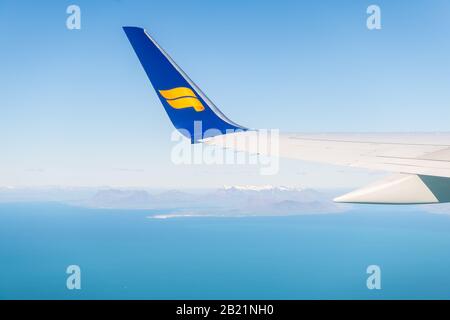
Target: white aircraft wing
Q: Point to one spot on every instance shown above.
(421, 161)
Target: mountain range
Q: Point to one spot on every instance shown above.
(226, 201)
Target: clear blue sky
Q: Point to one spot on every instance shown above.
(77, 108)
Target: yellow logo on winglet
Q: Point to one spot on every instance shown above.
(182, 97)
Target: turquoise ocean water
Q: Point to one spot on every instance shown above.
(123, 254)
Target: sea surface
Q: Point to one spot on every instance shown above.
(124, 254)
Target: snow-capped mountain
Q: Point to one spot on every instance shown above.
(259, 188)
(262, 195)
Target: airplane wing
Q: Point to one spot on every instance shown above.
(420, 161)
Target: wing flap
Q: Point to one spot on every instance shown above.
(395, 189)
(402, 189)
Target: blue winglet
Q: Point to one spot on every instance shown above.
(190, 111)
